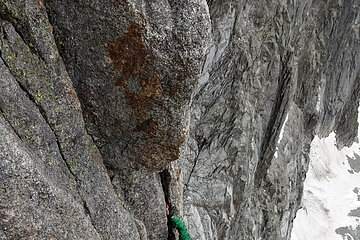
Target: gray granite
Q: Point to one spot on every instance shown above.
(110, 108)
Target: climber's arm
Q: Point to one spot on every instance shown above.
(180, 226)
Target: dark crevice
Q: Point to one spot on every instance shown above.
(88, 213)
(44, 116)
(276, 120)
(233, 35)
(7, 15)
(67, 164)
(165, 182)
(86, 208)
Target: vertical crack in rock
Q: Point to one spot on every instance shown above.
(48, 87)
(134, 65)
(165, 182)
(192, 171)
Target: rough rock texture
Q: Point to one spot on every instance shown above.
(134, 67)
(278, 73)
(223, 97)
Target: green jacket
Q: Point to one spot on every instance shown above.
(180, 226)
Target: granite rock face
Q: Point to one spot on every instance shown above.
(110, 108)
(278, 72)
(52, 171)
(134, 66)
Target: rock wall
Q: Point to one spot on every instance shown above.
(277, 72)
(110, 108)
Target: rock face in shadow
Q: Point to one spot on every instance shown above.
(223, 97)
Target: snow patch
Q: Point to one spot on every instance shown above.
(328, 192)
(281, 135)
(282, 128)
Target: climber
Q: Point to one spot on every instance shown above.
(177, 223)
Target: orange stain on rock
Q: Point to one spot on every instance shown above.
(129, 52)
(132, 58)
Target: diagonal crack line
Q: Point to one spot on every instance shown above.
(203, 143)
(272, 131)
(46, 119)
(16, 23)
(42, 113)
(192, 170)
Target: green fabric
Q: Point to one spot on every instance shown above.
(180, 226)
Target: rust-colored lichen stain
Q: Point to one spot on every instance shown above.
(155, 138)
(140, 102)
(128, 52)
(155, 142)
(132, 58)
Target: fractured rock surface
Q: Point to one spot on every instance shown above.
(278, 72)
(224, 97)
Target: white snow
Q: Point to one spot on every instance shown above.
(283, 127)
(328, 192)
(281, 135)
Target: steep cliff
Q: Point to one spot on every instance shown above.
(278, 73)
(110, 108)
